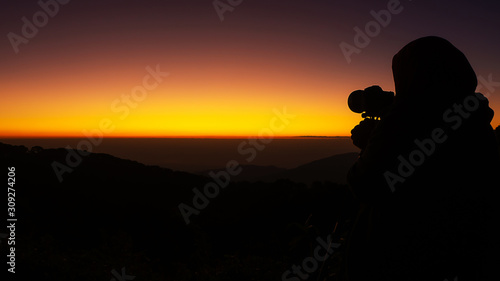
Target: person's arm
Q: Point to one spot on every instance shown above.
(367, 177)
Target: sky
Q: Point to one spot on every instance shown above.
(217, 68)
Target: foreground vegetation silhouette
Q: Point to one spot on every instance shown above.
(111, 213)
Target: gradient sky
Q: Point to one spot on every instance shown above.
(226, 77)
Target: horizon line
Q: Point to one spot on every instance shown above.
(173, 137)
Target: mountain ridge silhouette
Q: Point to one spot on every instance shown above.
(110, 212)
(333, 168)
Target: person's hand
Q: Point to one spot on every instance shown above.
(362, 132)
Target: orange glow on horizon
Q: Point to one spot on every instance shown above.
(223, 82)
(244, 106)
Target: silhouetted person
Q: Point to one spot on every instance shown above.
(428, 176)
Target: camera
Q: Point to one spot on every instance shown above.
(370, 102)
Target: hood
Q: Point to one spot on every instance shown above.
(432, 71)
(430, 76)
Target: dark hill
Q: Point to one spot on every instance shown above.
(103, 199)
(250, 172)
(333, 169)
(110, 213)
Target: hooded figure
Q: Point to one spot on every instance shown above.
(426, 178)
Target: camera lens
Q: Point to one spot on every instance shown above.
(356, 101)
